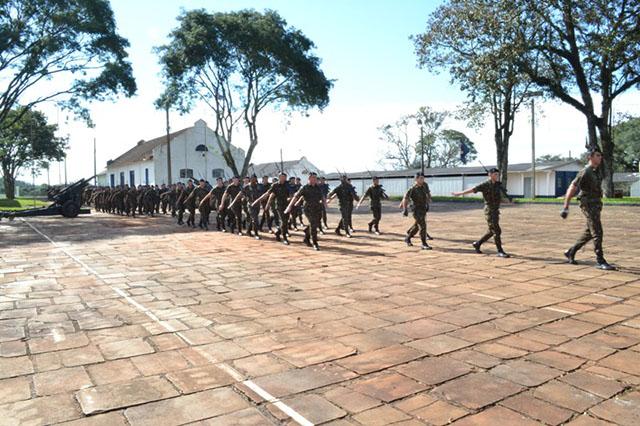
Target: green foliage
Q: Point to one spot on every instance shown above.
(239, 63)
(627, 145)
(72, 41)
(28, 141)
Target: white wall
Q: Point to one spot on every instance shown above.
(184, 156)
(635, 189)
(545, 183)
(139, 173)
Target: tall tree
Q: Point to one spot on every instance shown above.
(27, 142)
(473, 40)
(67, 51)
(441, 146)
(591, 47)
(239, 63)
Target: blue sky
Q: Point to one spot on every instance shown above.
(364, 47)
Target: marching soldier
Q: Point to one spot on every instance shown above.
(376, 194)
(193, 199)
(313, 201)
(346, 195)
(235, 213)
(249, 194)
(493, 193)
(214, 197)
(589, 184)
(420, 197)
(324, 186)
(279, 191)
(266, 213)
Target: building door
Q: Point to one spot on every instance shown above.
(112, 180)
(121, 178)
(563, 180)
(527, 187)
(132, 178)
(146, 176)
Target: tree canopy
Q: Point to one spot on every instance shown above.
(67, 51)
(239, 63)
(28, 141)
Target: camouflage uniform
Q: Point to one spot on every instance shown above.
(346, 195)
(236, 211)
(419, 196)
(199, 194)
(492, 193)
(216, 199)
(251, 192)
(312, 209)
(589, 182)
(324, 187)
(281, 194)
(376, 194)
(130, 201)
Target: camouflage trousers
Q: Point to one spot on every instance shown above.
(345, 220)
(493, 225)
(205, 211)
(376, 210)
(283, 218)
(314, 216)
(419, 225)
(253, 219)
(593, 231)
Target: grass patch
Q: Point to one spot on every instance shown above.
(21, 204)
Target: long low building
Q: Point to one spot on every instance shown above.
(552, 179)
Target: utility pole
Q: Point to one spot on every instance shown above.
(65, 169)
(421, 145)
(533, 149)
(169, 180)
(95, 171)
(281, 162)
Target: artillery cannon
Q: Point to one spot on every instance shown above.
(66, 203)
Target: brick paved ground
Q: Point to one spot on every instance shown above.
(149, 323)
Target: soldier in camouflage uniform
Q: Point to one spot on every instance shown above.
(130, 201)
(214, 197)
(376, 194)
(589, 183)
(195, 199)
(181, 195)
(324, 186)
(313, 200)
(266, 212)
(420, 197)
(346, 195)
(164, 201)
(279, 191)
(249, 194)
(493, 193)
(235, 214)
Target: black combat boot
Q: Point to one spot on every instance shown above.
(337, 231)
(426, 246)
(307, 238)
(370, 226)
(503, 254)
(570, 254)
(602, 264)
(377, 231)
(476, 246)
(278, 239)
(408, 240)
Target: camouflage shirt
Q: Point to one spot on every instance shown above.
(217, 192)
(280, 192)
(199, 194)
(419, 196)
(492, 193)
(251, 192)
(589, 182)
(376, 194)
(232, 191)
(312, 196)
(345, 192)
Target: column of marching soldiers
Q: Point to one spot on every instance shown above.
(280, 203)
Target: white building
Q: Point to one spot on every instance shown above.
(552, 179)
(298, 168)
(194, 154)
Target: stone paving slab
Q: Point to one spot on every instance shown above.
(366, 331)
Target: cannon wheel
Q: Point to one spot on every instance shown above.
(70, 209)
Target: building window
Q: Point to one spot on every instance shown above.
(146, 176)
(217, 173)
(132, 178)
(186, 173)
(122, 178)
(112, 180)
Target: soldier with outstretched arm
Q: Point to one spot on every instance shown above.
(280, 192)
(493, 193)
(232, 192)
(589, 184)
(313, 201)
(420, 196)
(376, 194)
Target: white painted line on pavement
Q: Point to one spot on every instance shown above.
(559, 310)
(487, 296)
(297, 417)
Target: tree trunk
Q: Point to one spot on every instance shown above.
(502, 154)
(607, 159)
(9, 186)
(253, 141)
